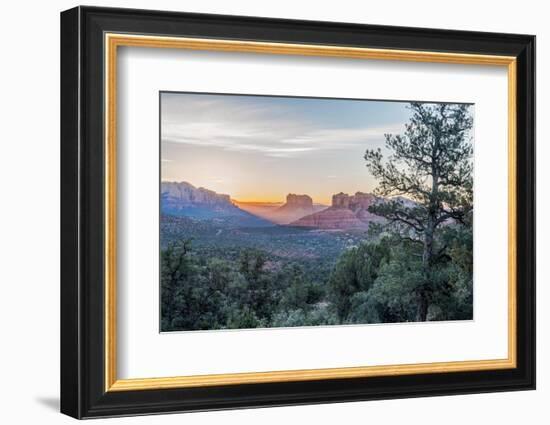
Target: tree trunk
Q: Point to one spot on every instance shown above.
(427, 257)
(422, 307)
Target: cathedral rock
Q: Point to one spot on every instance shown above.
(346, 212)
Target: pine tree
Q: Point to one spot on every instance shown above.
(429, 179)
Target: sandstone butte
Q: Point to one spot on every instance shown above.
(295, 207)
(345, 212)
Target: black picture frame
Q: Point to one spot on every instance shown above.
(83, 392)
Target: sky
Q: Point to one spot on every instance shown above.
(260, 148)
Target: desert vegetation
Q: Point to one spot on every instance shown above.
(405, 256)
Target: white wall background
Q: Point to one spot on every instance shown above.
(29, 211)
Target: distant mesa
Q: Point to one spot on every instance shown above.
(182, 199)
(297, 201)
(180, 194)
(346, 212)
(295, 207)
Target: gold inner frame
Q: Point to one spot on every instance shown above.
(113, 41)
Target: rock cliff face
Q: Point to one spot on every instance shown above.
(298, 201)
(182, 199)
(346, 212)
(296, 207)
(331, 218)
(354, 202)
(185, 194)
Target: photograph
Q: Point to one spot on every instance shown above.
(279, 212)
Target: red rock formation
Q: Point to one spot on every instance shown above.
(361, 201)
(300, 201)
(340, 200)
(296, 207)
(346, 212)
(183, 193)
(331, 218)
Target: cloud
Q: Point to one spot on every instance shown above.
(273, 131)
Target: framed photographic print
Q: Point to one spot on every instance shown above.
(261, 212)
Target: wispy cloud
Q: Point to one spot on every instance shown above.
(271, 131)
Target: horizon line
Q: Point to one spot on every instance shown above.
(324, 202)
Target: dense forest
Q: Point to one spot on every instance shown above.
(415, 265)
